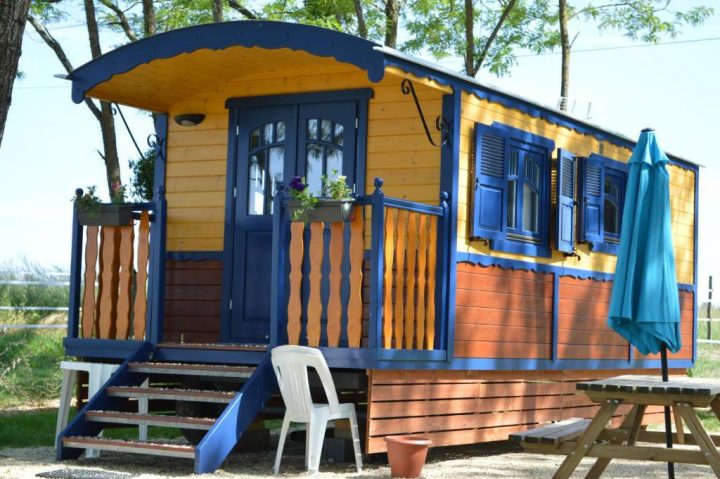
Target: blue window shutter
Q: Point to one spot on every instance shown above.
(565, 234)
(490, 198)
(592, 215)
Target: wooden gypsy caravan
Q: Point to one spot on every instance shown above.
(462, 302)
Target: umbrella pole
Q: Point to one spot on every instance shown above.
(668, 422)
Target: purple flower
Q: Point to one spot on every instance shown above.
(297, 184)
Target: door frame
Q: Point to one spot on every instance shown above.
(361, 97)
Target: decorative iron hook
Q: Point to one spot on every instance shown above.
(441, 123)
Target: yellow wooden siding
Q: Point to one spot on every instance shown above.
(397, 149)
(682, 188)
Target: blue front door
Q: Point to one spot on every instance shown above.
(272, 144)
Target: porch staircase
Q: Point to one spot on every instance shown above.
(238, 391)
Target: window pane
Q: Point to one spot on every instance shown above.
(612, 218)
(608, 186)
(280, 131)
(277, 157)
(254, 138)
(314, 167)
(312, 127)
(512, 204)
(338, 138)
(256, 184)
(334, 161)
(326, 130)
(531, 210)
(513, 168)
(268, 134)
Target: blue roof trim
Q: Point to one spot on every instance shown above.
(421, 68)
(218, 36)
(516, 264)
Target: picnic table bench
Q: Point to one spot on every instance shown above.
(578, 438)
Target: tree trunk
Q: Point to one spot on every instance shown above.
(565, 47)
(107, 122)
(392, 15)
(13, 14)
(469, 39)
(217, 11)
(149, 21)
(362, 27)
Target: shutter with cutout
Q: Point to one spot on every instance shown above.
(565, 191)
(490, 197)
(592, 184)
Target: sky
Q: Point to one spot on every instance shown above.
(50, 144)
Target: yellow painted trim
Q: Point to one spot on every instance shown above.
(392, 70)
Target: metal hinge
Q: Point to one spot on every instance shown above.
(235, 192)
(357, 122)
(237, 129)
(230, 305)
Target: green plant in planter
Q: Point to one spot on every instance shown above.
(89, 201)
(332, 186)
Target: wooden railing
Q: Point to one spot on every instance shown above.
(325, 284)
(109, 291)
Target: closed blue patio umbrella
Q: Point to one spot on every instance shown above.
(644, 306)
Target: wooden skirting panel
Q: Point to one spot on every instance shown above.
(193, 291)
(466, 407)
(503, 313)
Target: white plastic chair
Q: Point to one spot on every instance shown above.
(291, 369)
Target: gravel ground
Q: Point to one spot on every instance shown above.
(495, 460)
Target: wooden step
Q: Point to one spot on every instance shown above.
(171, 394)
(137, 447)
(206, 370)
(184, 422)
(216, 346)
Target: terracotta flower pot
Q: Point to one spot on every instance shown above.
(406, 455)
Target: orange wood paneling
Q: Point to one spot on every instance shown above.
(355, 307)
(88, 302)
(503, 313)
(143, 254)
(334, 308)
(314, 307)
(464, 407)
(399, 315)
(106, 312)
(432, 261)
(295, 301)
(412, 242)
(390, 219)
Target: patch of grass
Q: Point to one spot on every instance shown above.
(36, 428)
(708, 361)
(29, 366)
(31, 428)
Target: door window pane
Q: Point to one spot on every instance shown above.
(314, 167)
(280, 131)
(268, 134)
(334, 161)
(338, 137)
(254, 138)
(326, 130)
(256, 183)
(277, 160)
(312, 128)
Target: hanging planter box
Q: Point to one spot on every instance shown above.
(326, 210)
(106, 215)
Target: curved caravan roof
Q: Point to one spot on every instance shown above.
(157, 71)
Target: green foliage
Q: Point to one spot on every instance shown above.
(29, 360)
(143, 173)
(38, 293)
(89, 201)
(646, 20)
(48, 12)
(438, 27)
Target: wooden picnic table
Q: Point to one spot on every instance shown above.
(581, 438)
